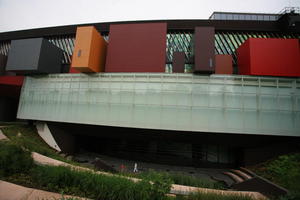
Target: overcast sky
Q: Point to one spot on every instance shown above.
(27, 14)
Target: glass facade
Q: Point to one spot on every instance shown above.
(66, 43)
(182, 102)
(4, 47)
(244, 16)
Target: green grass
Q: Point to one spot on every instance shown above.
(30, 140)
(194, 181)
(68, 198)
(285, 171)
(13, 159)
(95, 186)
(179, 178)
(211, 196)
(17, 167)
(87, 184)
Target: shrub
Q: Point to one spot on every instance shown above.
(194, 181)
(30, 140)
(286, 171)
(13, 159)
(161, 184)
(97, 186)
(291, 196)
(182, 179)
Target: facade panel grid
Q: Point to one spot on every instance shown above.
(226, 42)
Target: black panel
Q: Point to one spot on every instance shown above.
(3, 60)
(8, 108)
(30, 56)
(50, 58)
(290, 23)
(24, 55)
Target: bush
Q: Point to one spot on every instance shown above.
(13, 159)
(161, 184)
(194, 181)
(283, 170)
(286, 171)
(291, 196)
(182, 179)
(97, 186)
(30, 140)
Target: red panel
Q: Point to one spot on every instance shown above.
(72, 70)
(223, 64)
(273, 57)
(243, 54)
(10, 86)
(137, 48)
(11, 80)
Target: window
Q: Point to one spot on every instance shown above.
(253, 17)
(260, 17)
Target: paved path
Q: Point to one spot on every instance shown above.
(2, 136)
(10, 191)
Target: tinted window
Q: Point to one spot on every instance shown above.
(253, 17)
(266, 17)
(260, 17)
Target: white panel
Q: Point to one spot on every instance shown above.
(45, 133)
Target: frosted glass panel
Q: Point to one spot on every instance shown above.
(184, 102)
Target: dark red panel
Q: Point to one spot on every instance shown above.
(269, 56)
(10, 91)
(178, 62)
(204, 49)
(223, 64)
(11, 80)
(72, 70)
(137, 48)
(10, 86)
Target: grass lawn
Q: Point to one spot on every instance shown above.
(180, 179)
(284, 171)
(30, 140)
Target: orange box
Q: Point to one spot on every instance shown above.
(90, 50)
(223, 64)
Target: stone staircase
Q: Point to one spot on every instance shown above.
(239, 175)
(244, 179)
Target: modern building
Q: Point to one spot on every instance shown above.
(221, 92)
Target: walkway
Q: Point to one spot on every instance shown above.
(10, 191)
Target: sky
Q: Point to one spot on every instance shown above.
(28, 14)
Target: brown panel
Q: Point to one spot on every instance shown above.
(204, 49)
(90, 50)
(223, 64)
(178, 62)
(3, 60)
(137, 48)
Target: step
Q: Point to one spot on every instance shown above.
(236, 178)
(241, 174)
(247, 171)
